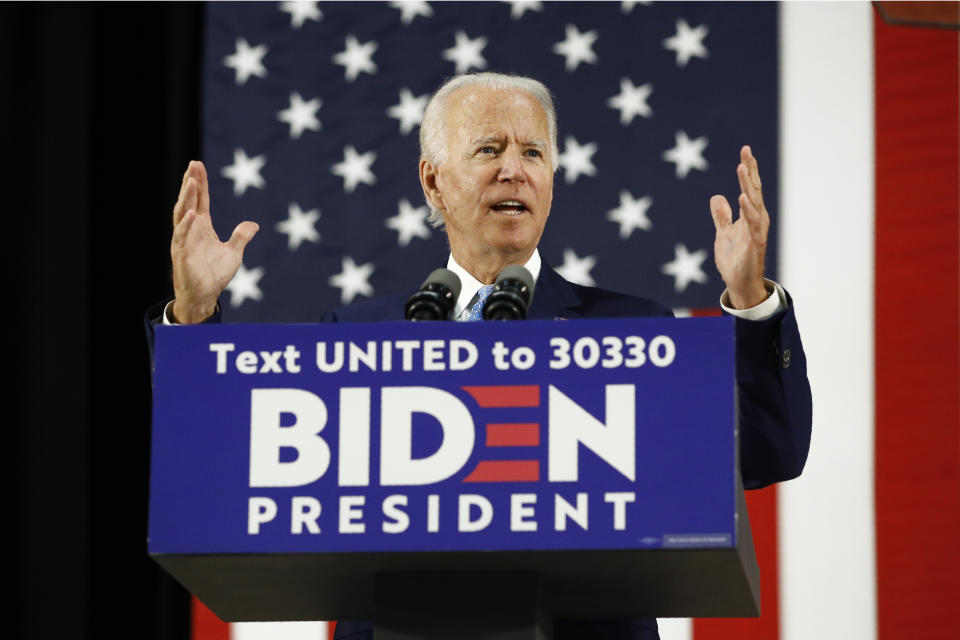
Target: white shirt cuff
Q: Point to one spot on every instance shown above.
(775, 303)
(168, 314)
(168, 318)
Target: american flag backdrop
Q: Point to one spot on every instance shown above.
(311, 120)
(311, 116)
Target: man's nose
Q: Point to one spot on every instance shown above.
(511, 168)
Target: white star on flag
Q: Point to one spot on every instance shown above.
(466, 53)
(627, 5)
(687, 154)
(409, 222)
(245, 284)
(519, 7)
(299, 226)
(355, 168)
(409, 111)
(631, 214)
(352, 280)
(631, 101)
(577, 47)
(356, 58)
(577, 269)
(687, 42)
(247, 61)
(576, 159)
(410, 9)
(300, 11)
(245, 172)
(300, 115)
(685, 267)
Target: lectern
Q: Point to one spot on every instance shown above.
(469, 480)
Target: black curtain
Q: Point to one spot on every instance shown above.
(102, 108)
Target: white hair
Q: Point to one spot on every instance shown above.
(433, 134)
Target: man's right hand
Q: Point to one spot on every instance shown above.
(202, 265)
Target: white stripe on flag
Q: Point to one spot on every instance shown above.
(826, 517)
(278, 631)
(675, 628)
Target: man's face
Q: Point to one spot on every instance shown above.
(496, 183)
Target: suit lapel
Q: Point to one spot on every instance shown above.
(553, 297)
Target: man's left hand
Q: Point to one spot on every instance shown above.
(740, 246)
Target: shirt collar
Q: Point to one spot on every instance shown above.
(470, 285)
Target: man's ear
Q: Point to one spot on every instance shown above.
(428, 180)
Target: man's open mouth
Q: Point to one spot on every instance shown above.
(510, 207)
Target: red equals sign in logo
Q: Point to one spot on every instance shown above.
(507, 434)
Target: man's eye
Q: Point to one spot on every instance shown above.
(487, 149)
(534, 153)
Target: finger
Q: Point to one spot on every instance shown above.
(204, 203)
(748, 186)
(721, 212)
(243, 233)
(753, 171)
(191, 198)
(178, 208)
(747, 157)
(182, 230)
(743, 178)
(749, 212)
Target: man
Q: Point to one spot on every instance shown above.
(488, 157)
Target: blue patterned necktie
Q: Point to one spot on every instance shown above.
(476, 311)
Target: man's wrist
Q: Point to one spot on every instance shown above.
(172, 317)
(775, 302)
(750, 297)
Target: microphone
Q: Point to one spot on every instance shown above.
(435, 298)
(511, 295)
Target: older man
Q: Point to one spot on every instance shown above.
(488, 157)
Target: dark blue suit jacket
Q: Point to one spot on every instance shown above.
(774, 401)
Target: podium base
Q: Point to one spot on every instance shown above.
(469, 606)
(527, 586)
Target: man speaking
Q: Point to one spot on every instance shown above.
(488, 146)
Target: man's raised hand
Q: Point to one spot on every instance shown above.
(740, 246)
(202, 265)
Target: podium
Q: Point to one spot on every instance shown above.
(469, 480)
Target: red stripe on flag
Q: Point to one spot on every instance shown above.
(505, 471)
(204, 624)
(517, 434)
(917, 478)
(506, 396)
(762, 507)
(706, 313)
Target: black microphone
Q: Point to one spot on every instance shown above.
(511, 295)
(435, 298)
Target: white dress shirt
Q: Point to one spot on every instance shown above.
(470, 285)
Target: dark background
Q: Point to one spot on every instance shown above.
(102, 114)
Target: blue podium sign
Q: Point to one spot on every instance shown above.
(422, 438)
